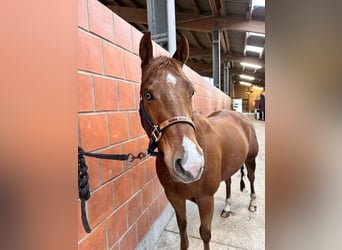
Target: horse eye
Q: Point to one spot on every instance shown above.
(148, 95)
(193, 92)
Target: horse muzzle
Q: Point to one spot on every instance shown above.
(189, 167)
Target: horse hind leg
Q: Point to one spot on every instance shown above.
(226, 212)
(250, 164)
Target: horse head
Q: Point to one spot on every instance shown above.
(166, 95)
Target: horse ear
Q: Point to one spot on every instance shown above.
(145, 49)
(182, 52)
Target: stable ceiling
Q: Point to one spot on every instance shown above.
(196, 19)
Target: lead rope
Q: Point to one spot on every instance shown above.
(83, 188)
(83, 176)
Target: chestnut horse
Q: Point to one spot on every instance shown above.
(198, 152)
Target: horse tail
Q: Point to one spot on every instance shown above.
(242, 183)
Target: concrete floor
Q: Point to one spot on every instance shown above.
(243, 229)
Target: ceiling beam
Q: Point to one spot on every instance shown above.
(213, 8)
(194, 21)
(196, 6)
(206, 54)
(210, 24)
(201, 67)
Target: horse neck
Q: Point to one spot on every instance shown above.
(202, 124)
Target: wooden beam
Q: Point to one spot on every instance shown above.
(213, 8)
(241, 24)
(198, 52)
(226, 37)
(223, 10)
(206, 54)
(201, 67)
(193, 21)
(223, 43)
(195, 6)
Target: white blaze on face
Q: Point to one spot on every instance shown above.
(193, 160)
(171, 78)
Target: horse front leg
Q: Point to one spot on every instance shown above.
(206, 209)
(180, 208)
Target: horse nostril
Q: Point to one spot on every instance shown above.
(179, 167)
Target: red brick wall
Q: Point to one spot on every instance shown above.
(125, 199)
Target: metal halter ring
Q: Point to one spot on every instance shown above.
(156, 133)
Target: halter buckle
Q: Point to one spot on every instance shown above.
(156, 133)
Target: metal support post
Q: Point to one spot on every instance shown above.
(162, 24)
(226, 89)
(216, 58)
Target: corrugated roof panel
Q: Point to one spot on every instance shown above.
(237, 7)
(258, 14)
(236, 41)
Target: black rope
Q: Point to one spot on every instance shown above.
(83, 177)
(83, 188)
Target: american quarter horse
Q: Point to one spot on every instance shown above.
(198, 152)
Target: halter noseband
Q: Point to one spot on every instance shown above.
(156, 130)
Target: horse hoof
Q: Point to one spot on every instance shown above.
(252, 208)
(225, 214)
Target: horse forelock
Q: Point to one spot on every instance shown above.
(160, 63)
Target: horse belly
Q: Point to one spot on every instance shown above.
(234, 155)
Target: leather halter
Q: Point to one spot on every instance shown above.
(156, 130)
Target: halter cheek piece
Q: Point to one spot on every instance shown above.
(156, 130)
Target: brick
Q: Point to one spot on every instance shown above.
(116, 247)
(137, 95)
(85, 96)
(93, 171)
(143, 225)
(100, 205)
(95, 241)
(122, 33)
(129, 241)
(136, 37)
(150, 169)
(89, 53)
(157, 187)
(163, 201)
(113, 61)
(127, 100)
(131, 147)
(93, 130)
(82, 14)
(118, 127)
(154, 211)
(147, 194)
(134, 208)
(122, 189)
(135, 128)
(100, 20)
(117, 225)
(105, 94)
(138, 177)
(110, 168)
(132, 67)
(143, 144)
